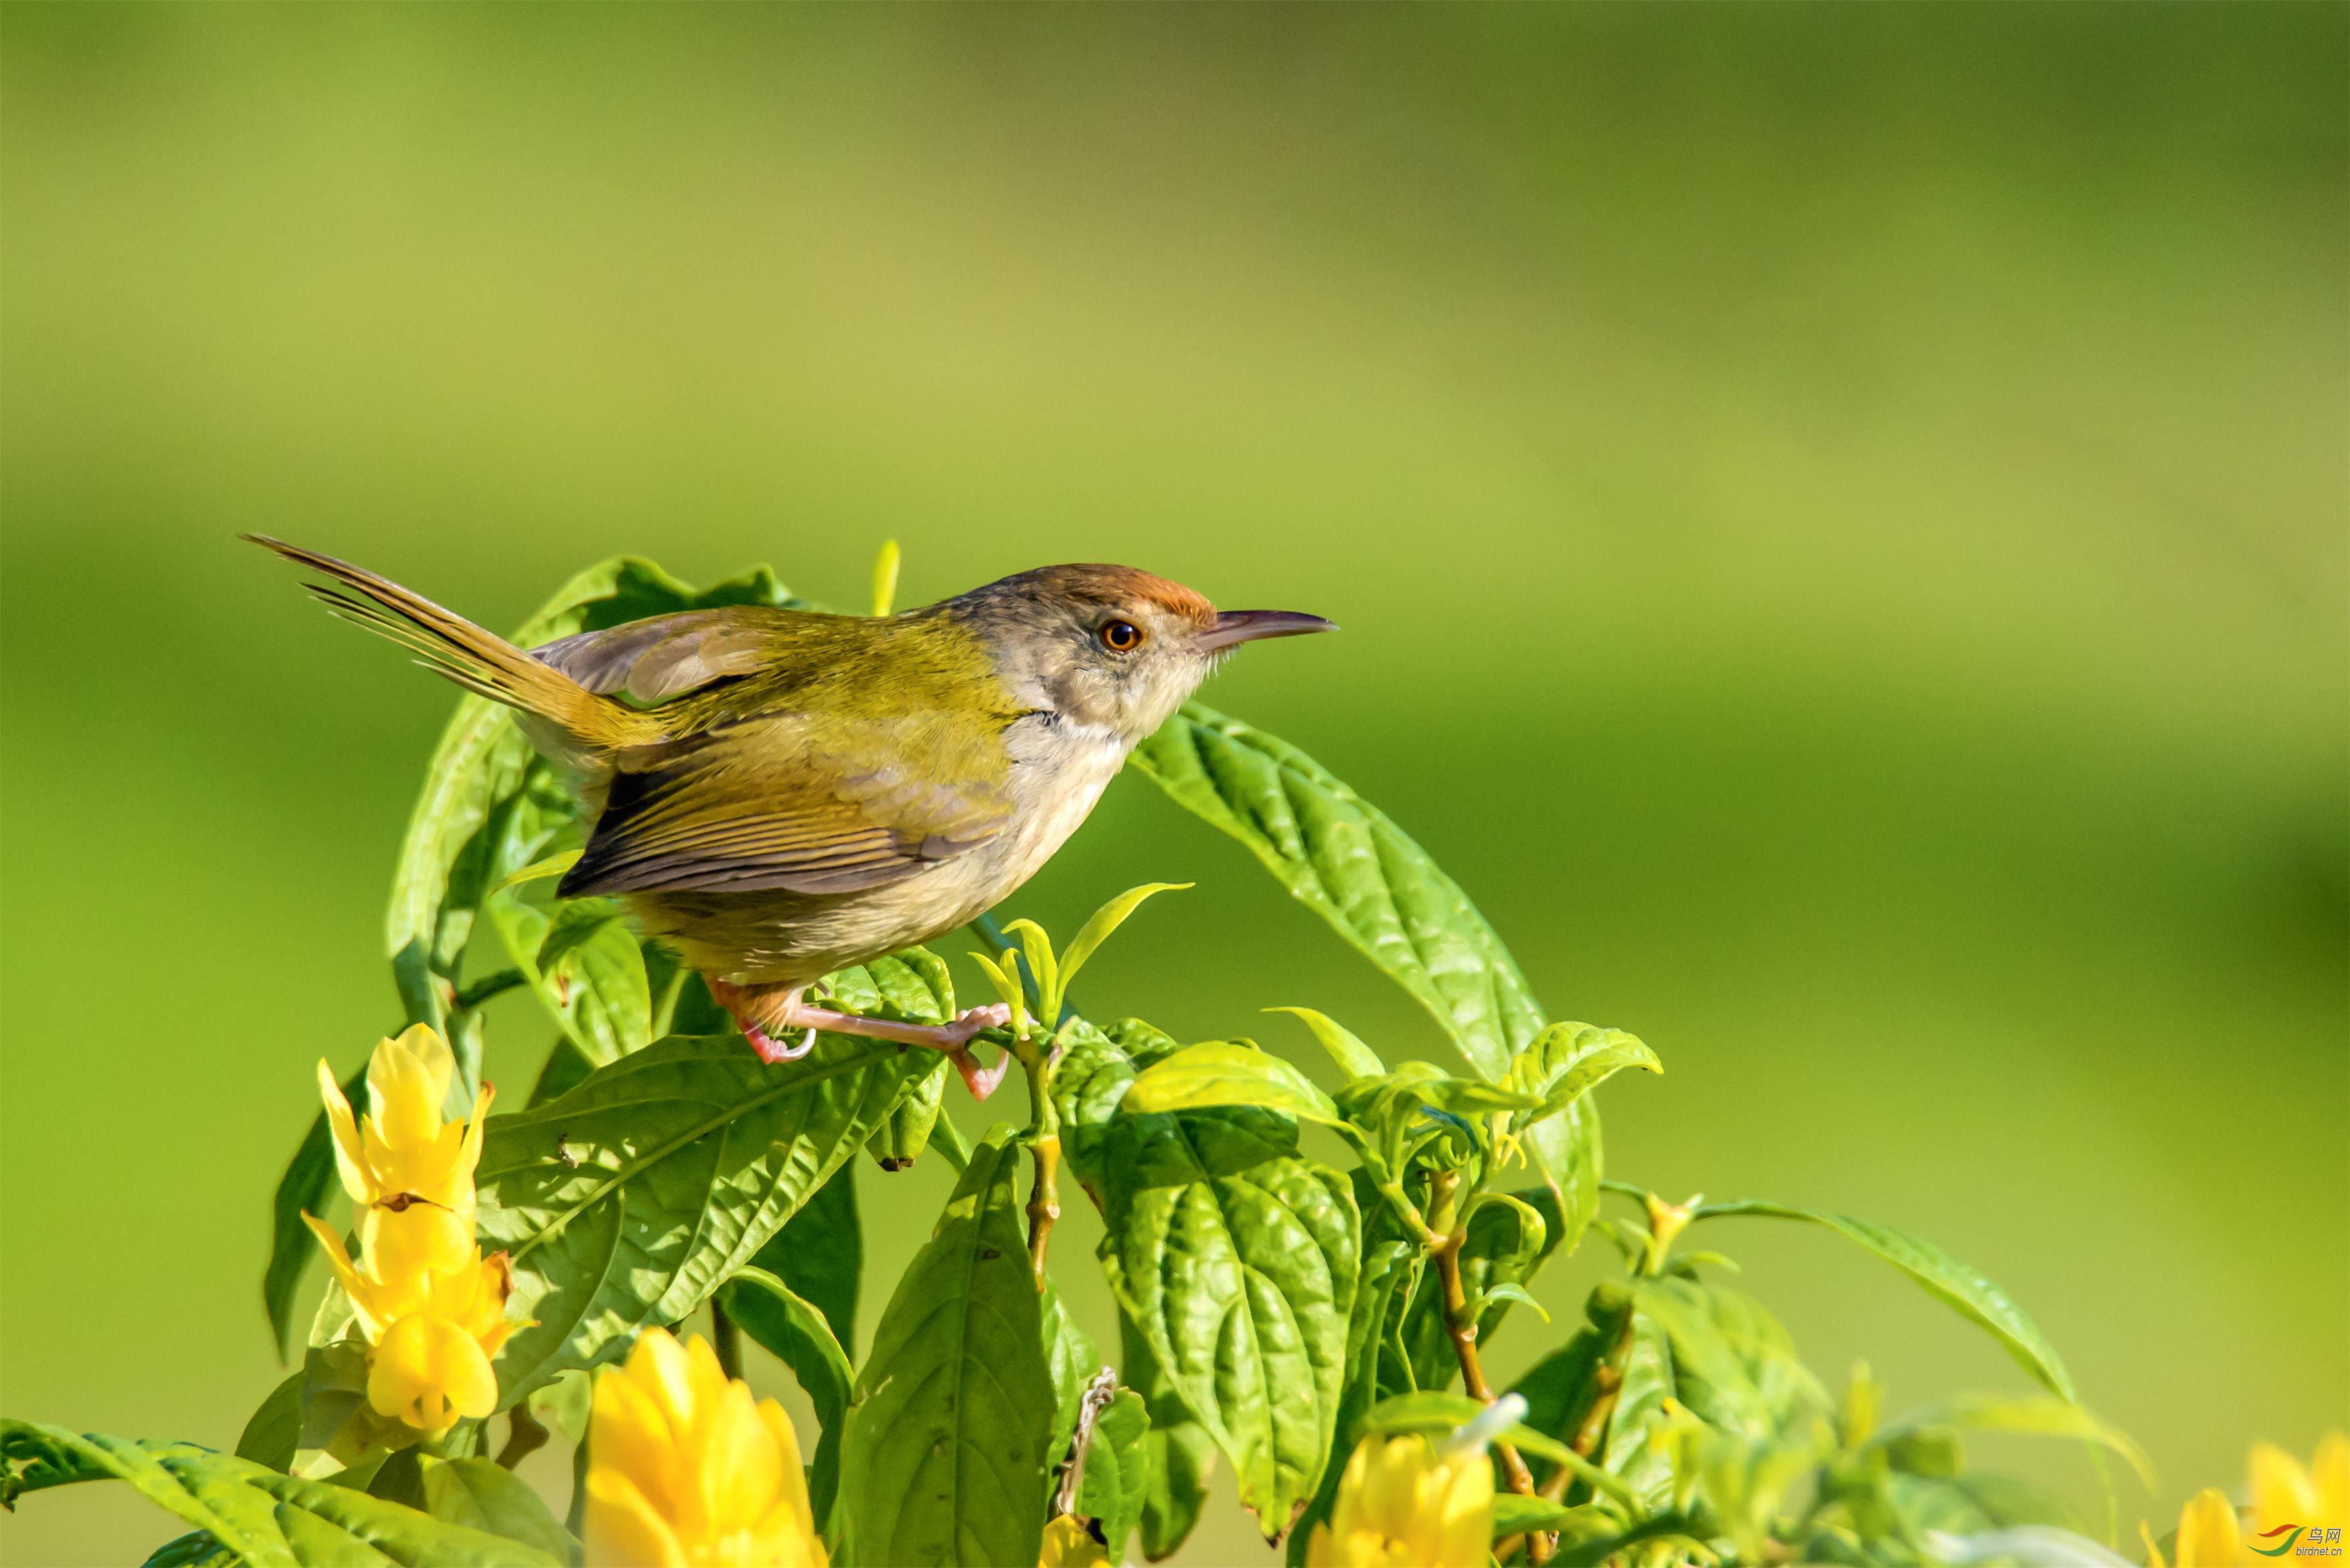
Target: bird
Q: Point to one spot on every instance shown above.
(775, 795)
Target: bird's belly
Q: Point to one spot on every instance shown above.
(773, 938)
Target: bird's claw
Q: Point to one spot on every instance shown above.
(769, 1052)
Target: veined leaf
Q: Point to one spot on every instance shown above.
(268, 1520)
(820, 1253)
(1242, 1285)
(1345, 859)
(1225, 1072)
(1733, 1363)
(1567, 1061)
(1387, 1274)
(944, 1461)
(1965, 1290)
(630, 1199)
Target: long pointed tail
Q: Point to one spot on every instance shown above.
(481, 662)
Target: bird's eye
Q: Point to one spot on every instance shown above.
(1120, 635)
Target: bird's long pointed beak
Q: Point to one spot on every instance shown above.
(1233, 627)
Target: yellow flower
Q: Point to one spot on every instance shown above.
(687, 1470)
(406, 1146)
(2284, 1495)
(1070, 1544)
(1400, 1505)
(429, 1306)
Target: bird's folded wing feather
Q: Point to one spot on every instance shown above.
(778, 779)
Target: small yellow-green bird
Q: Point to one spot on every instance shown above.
(779, 794)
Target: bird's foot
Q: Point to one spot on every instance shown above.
(769, 1052)
(756, 1013)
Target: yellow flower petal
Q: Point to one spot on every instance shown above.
(429, 1372)
(365, 1298)
(350, 1161)
(1070, 1544)
(629, 1434)
(2330, 1466)
(2208, 1536)
(623, 1528)
(731, 1454)
(1399, 1503)
(407, 1083)
(2282, 1492)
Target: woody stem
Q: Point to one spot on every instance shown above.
(1045, 1150)
(1460, 1327)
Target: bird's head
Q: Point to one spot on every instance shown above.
(1110, 646)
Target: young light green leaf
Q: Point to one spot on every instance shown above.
(1355, 1059)
(1097, 931)
(1566, 1061)
(486, 1497)
(267, 1519)
(1226, 1073)
(540, 870)
(1965, 1290)
(1437, 1414)
(944, 1459)
(1242, 1285)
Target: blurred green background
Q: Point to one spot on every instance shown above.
(1838, 514)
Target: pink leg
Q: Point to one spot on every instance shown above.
(755, 1013)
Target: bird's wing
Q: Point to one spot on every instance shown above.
(658, 658)
(805, 803)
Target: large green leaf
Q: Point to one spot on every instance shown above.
(268, 1520)
(944, 1461)
(630, 1199)
(820, 1253)
(1733, 1363)
(1242, 1283)
(1965, 1290)
(1345, 859)
(1117, 1470)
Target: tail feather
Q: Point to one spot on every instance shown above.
(450, 646)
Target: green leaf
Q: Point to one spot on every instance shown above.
(1973, 1504)
(1105, 921)
(1647, 1383)
(274, 1430)
(1436, 1414)
(1227, 1073)
(1242, 1285)
(628, 1200)
(901, 1139)
(1117, 1469)
(1733, 1364)
(268, 1520)
(1515, 1515)
(585, 967)
(820, 1253)
(483, 1496)
(1964, 1290)
(1178, 1452)
(791, 1328)
(197, 1549)
(944, 1461)
(1354, 1058)
(1567, 1061)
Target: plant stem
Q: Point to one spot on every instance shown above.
(726, 1340)
(1045, 1150)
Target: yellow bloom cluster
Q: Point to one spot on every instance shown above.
(431, 1307)
(687, 1470)
(2288, 1502)
(1402, 1505)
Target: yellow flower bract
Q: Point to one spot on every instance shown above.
(687, 1470)
(2284, 1495)
(1401, 1506)
(429, 1306)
